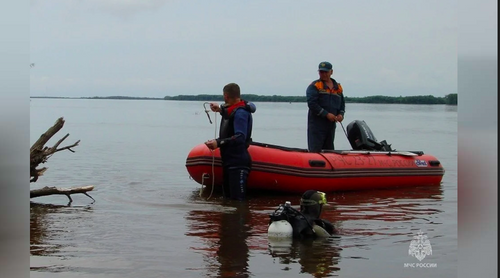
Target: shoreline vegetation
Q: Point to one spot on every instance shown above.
(450, 99)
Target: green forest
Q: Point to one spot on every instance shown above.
(450, 99)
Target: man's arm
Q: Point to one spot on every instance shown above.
(312, 95)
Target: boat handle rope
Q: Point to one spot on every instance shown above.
(204, 175)
(345, 132)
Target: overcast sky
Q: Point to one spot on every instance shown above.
(167, 47)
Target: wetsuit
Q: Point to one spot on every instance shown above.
(322, 100)
(234, 138)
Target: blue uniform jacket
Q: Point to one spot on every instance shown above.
(322, 100)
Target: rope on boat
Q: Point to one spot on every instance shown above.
(206, 175)
(213, 155)
(344, 131)
(203, 177)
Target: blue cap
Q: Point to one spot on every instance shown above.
(325, 66)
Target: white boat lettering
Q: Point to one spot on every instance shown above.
(420, 163)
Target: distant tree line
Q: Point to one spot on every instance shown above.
(122, 97)
(249, 97)
(450, 99)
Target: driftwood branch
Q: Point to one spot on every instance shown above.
(64, 148)
(61, 191)
(39, 153)
(44, 138)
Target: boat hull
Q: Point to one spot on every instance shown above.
(289, 170)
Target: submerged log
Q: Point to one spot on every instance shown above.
(61, 191)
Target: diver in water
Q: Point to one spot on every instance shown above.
(305, 223)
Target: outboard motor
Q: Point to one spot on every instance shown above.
(361, 138)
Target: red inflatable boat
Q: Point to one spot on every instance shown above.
(371, 165)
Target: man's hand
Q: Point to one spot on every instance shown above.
(331, 117)
(340, 118)
(211, 144)
(215, 107)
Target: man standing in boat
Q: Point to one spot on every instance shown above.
(325, 100)
(235, 136)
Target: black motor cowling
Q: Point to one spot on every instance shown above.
(361, 138)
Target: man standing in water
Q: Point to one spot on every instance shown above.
(234, 137)
(325, 100)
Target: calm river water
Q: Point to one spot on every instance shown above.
(149, 219)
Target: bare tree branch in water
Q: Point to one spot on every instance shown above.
(61, 191)
(39, 154)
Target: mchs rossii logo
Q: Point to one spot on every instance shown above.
(420, 247)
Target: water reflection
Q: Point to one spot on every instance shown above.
(231, 230)
(225, 229)
(319, 257)
(233, 249)
(46, 224)
(40, 229)
(414, 206)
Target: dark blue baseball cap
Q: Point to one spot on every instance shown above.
(325, 66)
